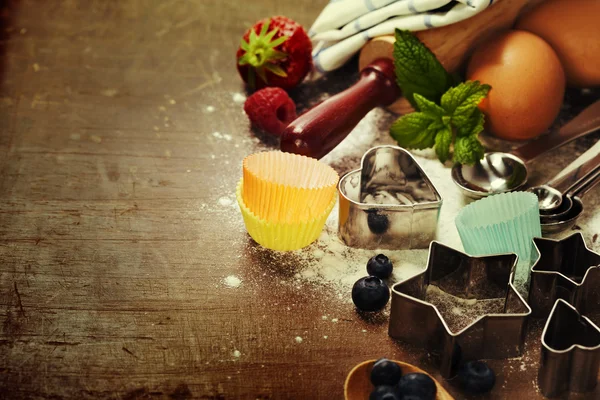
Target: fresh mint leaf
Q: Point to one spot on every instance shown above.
(462, 100)
(468, 149)
(428, 107)
(418, 70)
(416, 130)
(443, 139)
(473, 125)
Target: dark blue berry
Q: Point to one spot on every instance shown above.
(385, 372)
(417, 386)
(370, 294)
(380, 266)
(476, 377)
(385, 392)
(378, 223)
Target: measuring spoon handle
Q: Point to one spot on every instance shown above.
(586, 185)
(575, 175)
(584, 123)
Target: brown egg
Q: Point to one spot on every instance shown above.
(528, 84)
(572, 28)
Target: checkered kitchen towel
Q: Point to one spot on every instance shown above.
(344, 26)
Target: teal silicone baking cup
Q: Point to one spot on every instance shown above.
(503, 223)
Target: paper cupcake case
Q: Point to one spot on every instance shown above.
(282, 236)
(284, 187)
(499, 224)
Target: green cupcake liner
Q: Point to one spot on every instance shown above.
(503, 223)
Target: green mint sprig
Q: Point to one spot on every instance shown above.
(447, 116)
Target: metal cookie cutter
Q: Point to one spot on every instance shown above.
(389, 203)
(570, 357)
(565, 269)
(499, 335)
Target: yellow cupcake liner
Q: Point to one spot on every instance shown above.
(285, 187)
(282, 236)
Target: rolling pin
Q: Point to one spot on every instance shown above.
(319, 130)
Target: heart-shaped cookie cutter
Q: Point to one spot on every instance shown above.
(389, 203)
(491, 335)
(570, 356)
(564, 269)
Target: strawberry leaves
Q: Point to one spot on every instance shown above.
(260, 53)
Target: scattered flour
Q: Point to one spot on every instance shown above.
(232, 281)
(238, 98)
(329, 262)
(236, 354)
(224, 136)
(109, 92)
(298, 339)
(457, 312)
(225, 201)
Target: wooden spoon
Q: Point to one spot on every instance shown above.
(358, 383)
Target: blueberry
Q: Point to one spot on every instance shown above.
(417, 386)
(378, 223)
(370, 294)
(380, 266)
(385, 392)
(385, 372)
(476, 377)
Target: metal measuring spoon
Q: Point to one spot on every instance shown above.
(567, 219)
(500, 172)
(551, 196)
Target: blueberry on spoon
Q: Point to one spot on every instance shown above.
(370, 294)
(380, 266)
(386, 392)
(417, 386)
(476, 377)
(385, 372)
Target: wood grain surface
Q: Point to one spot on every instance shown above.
(121, 137)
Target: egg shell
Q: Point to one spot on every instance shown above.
(572, 28)
(528, 84)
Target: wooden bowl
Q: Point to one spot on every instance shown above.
(358, 383)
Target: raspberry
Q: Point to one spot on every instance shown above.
(270, 109)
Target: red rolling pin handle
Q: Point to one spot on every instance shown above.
(316, 132)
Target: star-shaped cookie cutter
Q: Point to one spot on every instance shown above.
(497, 335)
(564, 269)
(570, 356)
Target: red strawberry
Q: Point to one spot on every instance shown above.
(274, 52)
(271, 110)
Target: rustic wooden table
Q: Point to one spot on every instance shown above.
(125, 269)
